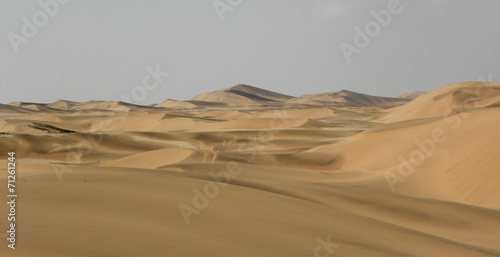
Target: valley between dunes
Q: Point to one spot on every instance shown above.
(250, 172)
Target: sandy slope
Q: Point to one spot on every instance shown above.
(242, 95)
(412, 95)
(449, 100)
(280, 179)
(348, 98)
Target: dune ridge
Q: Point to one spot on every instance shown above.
(264, 173)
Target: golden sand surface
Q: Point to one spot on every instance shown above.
(249, 172)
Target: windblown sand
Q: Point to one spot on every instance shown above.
(248, 172)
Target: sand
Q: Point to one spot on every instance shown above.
(250, 172)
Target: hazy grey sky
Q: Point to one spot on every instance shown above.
(101, 50)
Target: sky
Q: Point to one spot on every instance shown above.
(144, 52)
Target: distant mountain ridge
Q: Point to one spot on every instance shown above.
(245, 95)
(412, 95)
(348, 98)
(237, 96)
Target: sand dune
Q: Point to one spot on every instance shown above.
(242, 95)
(250, 172)
(169, 103)
(348, 98)
(449, 100)
(412, 95)
(62, 104)
(436, 149)
(6, 109)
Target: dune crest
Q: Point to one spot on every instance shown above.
(250, 172)
(348, 98)
(448, 100)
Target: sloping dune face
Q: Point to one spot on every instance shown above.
(271, 178)
(449, 100)
(412, 95)
(348, 98)
(243, 95)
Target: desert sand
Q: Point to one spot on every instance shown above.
(249, 172)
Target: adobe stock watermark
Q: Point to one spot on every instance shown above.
(225, 6)
(31, 27)
(371, 30)
(325, 246)
(150, 82)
